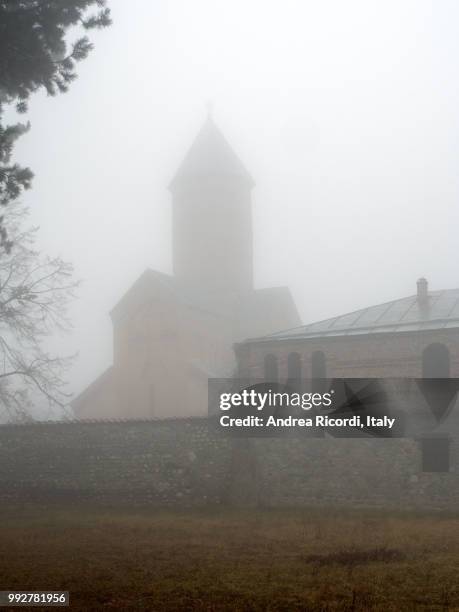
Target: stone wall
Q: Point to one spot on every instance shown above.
(351, 472)
(161, 462)
(187, 463)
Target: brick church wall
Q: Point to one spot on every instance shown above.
(362, 356)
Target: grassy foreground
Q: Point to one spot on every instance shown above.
(233, 560)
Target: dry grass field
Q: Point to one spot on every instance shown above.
(220, 559)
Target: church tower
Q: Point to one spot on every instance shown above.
(172, 333)
(212, 217)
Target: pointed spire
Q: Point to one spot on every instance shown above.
(210, 155)
(210, 109)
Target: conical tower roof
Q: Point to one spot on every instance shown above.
(210, 155)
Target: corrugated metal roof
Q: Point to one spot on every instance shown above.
(404, 315)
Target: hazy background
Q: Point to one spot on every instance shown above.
(345, 113)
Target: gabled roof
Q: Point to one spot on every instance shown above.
(141, 292)
(152, 284)
(404, 315)
(256, 311)
(210, 155)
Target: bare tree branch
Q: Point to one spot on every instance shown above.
(34, 294)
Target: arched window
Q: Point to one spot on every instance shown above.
(294, 371)
(436, 361)
(318, 365)
(294, 366)
(318, 371)
(271, 368)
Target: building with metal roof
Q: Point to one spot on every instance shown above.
(415, 336)
(436, 310)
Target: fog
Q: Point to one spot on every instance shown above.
(345, 114)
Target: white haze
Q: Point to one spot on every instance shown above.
(345, 113)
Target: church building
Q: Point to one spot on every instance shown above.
(415, 336)
(173, 332)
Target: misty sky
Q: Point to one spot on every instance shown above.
(345, 113)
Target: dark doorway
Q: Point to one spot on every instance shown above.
(435, 453)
